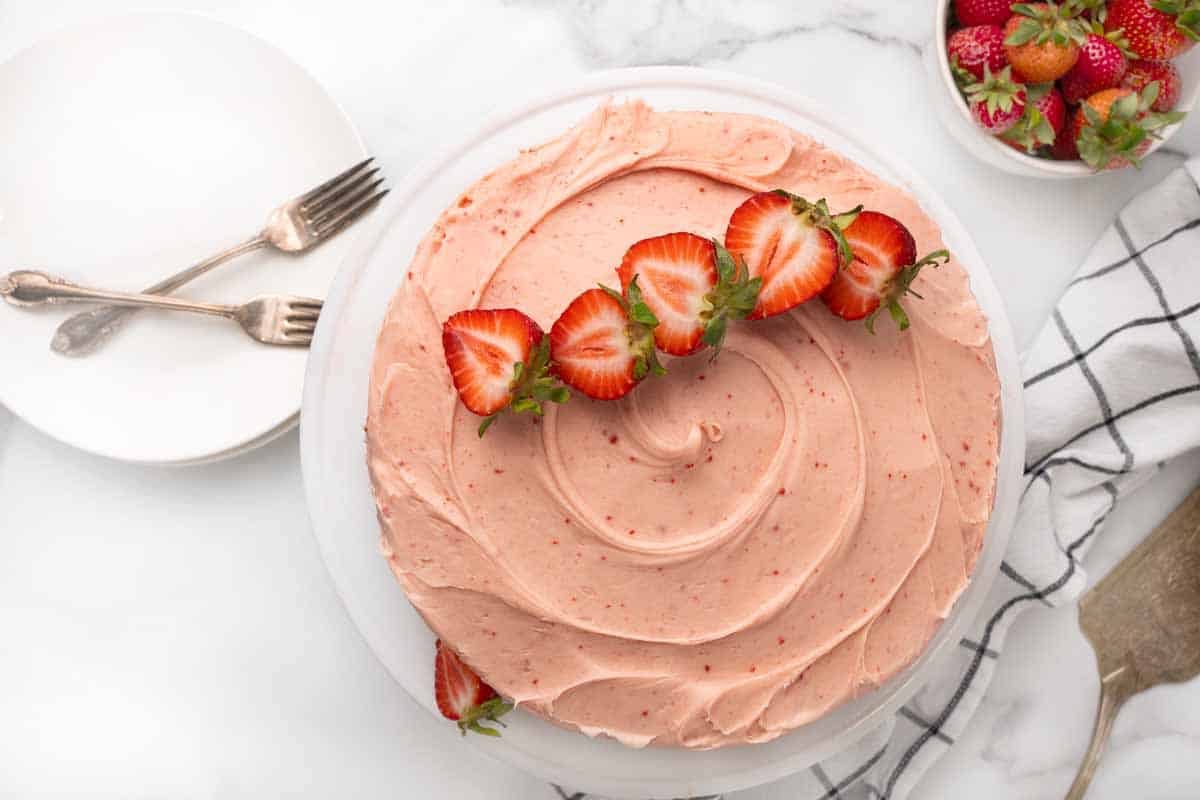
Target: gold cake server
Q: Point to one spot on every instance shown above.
(1143, 621)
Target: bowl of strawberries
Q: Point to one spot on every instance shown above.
(1067, 88)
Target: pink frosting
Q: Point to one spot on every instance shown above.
(733, 549)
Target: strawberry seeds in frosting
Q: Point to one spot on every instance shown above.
(735, 547)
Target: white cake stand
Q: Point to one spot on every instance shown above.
(334, 456)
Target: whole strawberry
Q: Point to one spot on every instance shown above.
(982, 12)
(1101, 65)
(1044, 118)
(1142, 73)
(973, 50)
(1158, 30)
(1114, 128)
(1042, 40)
(996, 102)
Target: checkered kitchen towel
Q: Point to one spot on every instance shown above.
(1112, 390)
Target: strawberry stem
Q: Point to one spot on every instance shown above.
(734, 297)
(1121, 133)
(901, 285)
(817, 214)
(488, 711)
(640, 329)
(532, 384)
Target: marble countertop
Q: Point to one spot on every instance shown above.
(172, 632)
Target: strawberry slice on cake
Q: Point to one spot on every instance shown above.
(499, 359)
(881, 270)
(461, 696)
(693, 286)
(795, 246)
(603, 344)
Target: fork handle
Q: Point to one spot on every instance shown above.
(30, 288)
(82, 333)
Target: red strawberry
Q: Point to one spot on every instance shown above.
(693, 287)
(1045, 115)
(1158, 30)
(499, 358)
(1101, 65)
(603, 344)
(996, 102)
(1066, 143)
(795, 246)
(880, 273)
(971, 50)
(1142, 73)
(462, 697)
(982, 12)
(1114, 128)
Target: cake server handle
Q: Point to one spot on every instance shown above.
(1115, 689)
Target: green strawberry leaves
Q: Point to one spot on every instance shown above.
(1095, 10)
(1048, 23)
(1186, 13)
(1123, 132)
(817, 214)
(901, 285)
(998, 92)
(1033, 130)
(487, 711)
(734, 297)
(962, 77)
(531, 386)
(640, 329)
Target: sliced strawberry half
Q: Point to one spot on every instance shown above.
(692, 285)
(499, 358)
(881, 271)
(795, 246)
(461, 696)
(603, 344)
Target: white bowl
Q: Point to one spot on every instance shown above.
(334, 457)
(954, 114)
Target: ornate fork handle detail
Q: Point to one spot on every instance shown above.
(30, 288)
(269, 318)
(82, 333)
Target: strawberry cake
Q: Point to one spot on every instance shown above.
(754, 507)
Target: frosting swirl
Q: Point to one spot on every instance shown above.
(733, 549)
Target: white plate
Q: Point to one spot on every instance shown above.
(335, 474)
(145, 143)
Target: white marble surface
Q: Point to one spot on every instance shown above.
(173, 633)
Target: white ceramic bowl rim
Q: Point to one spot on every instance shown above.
(343, 515)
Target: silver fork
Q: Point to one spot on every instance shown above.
(269, 318)
(295, 227)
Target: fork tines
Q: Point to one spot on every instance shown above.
(300, 319)
(342, 199)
